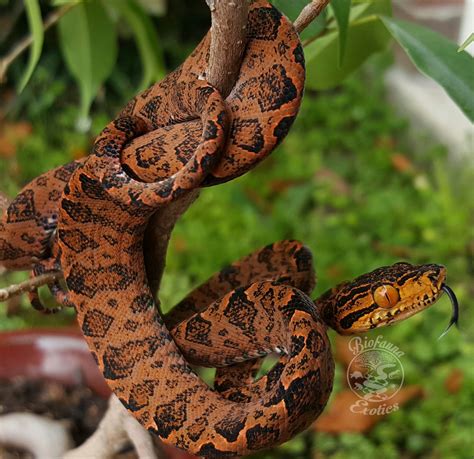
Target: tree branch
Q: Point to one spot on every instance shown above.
(29, 285)
(228, 40)
(38, 435)
(23, 44)
(309, 13)
(157, 236)
(116, 429)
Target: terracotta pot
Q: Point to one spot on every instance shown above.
(59, 355)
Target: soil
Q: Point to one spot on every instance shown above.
(78, 406)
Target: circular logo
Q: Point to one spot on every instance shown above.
(375, 375)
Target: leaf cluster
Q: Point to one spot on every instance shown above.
(338, 42)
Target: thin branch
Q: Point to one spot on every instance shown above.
(309, 13)
(228, 39)
(24, 43)
(29, 285)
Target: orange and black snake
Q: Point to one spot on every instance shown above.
(88, 219)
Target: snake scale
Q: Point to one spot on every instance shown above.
(88, 219)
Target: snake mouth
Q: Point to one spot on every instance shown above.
(424, 294)
(404, 311)
(382, 318)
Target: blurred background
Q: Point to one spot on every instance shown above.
(363, 178)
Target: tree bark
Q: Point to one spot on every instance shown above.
(228, 38)
(309, 13)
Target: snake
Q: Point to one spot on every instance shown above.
(88, 219)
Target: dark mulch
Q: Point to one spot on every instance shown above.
(78, 405)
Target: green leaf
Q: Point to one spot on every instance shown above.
(89, 45)
(366, 35)
(364, 38)
(36, 27)
(341, 9)
(439, 59)
(146, 39)
(359, 10)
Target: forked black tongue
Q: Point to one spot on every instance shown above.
(455, 304)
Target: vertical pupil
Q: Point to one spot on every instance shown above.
(387, 296)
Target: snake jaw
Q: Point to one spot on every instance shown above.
(420, 295)
(405, 309)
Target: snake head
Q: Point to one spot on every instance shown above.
(384, 296)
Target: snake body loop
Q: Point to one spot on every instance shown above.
(104, 211)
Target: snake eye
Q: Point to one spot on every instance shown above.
(386, 296)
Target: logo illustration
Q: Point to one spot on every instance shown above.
(375, 374)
